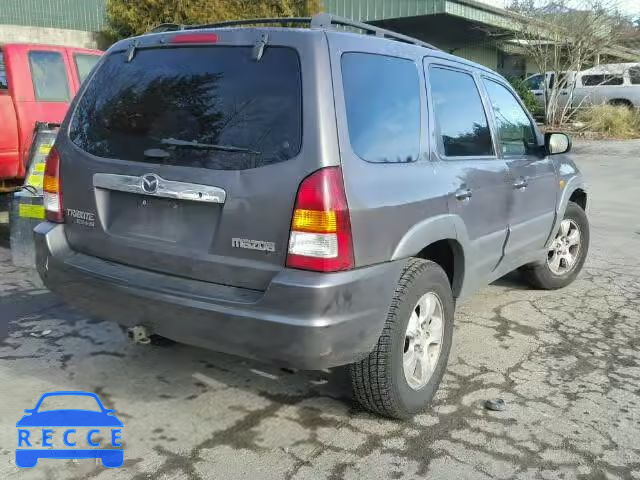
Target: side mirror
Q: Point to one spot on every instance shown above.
(556, 143)
(28, 410)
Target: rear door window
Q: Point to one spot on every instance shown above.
(460, 117)
(84, 64)
(605, 79)
(49, 76)
(210, 107)
(382, 98)
(634, 75)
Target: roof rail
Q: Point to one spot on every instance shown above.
(320, 21)
(326, 20)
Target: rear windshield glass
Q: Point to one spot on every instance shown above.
(210, 107)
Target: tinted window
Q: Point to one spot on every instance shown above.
(382, 96)
(535, 82)
(634, 75)
(3, 73)
(209, 95)
(515, 132)
(460, 116)
(84, 64)
(49, 76)
(606, 79)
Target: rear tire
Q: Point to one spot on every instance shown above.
(379, 381)
(544, 275)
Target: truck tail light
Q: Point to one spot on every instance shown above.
(51, 186)
(320, 237)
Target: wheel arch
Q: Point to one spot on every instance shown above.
(620, 102)
(440, 239)
(579, 196)
(575, 191)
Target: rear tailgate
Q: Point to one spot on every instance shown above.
(187, 159)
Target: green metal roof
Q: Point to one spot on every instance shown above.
(375, 10)
(88, 15)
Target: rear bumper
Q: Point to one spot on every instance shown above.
(304, 319)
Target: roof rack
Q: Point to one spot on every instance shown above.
(320, 21)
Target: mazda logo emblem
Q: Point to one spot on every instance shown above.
(150, 183)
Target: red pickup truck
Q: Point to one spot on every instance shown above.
(37, 82)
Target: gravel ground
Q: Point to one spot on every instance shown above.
(567, 363)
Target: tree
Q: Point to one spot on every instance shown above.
(134, 17)
(562, 41)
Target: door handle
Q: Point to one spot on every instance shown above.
(521, 183)
(464, 193)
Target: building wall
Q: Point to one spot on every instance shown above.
(87, 15)
(50, 36)
(487, 56)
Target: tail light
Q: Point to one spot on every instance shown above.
(195, 38)
(320, 237)
(52, 192)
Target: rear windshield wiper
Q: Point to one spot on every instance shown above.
(174, 142)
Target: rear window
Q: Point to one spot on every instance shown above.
(460, 117)
(606, 79)
(84, 64)
(49, 76)
(209, 107)
(382, 97)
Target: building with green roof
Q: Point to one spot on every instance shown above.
(467, 28)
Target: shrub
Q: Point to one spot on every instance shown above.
(610, 120)
(529, 99)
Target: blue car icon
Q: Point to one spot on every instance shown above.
(28, 457)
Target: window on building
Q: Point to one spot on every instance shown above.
(84, 64)
(3, 73)
(515, 132)
(460, 117)
(49, 76)
(382, 98)
(634, 75)
(601, 79)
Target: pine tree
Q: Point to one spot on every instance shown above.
(129, 17)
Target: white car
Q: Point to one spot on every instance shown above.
(615, 84)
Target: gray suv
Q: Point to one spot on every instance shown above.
(309, 197)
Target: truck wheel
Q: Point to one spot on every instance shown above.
(401, 375)
(566, 255)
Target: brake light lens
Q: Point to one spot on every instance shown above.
(195, 38)
(320, 237)
(51, 186)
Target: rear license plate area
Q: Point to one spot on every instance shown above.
(161, 219)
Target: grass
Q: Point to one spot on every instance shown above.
(611, 121)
